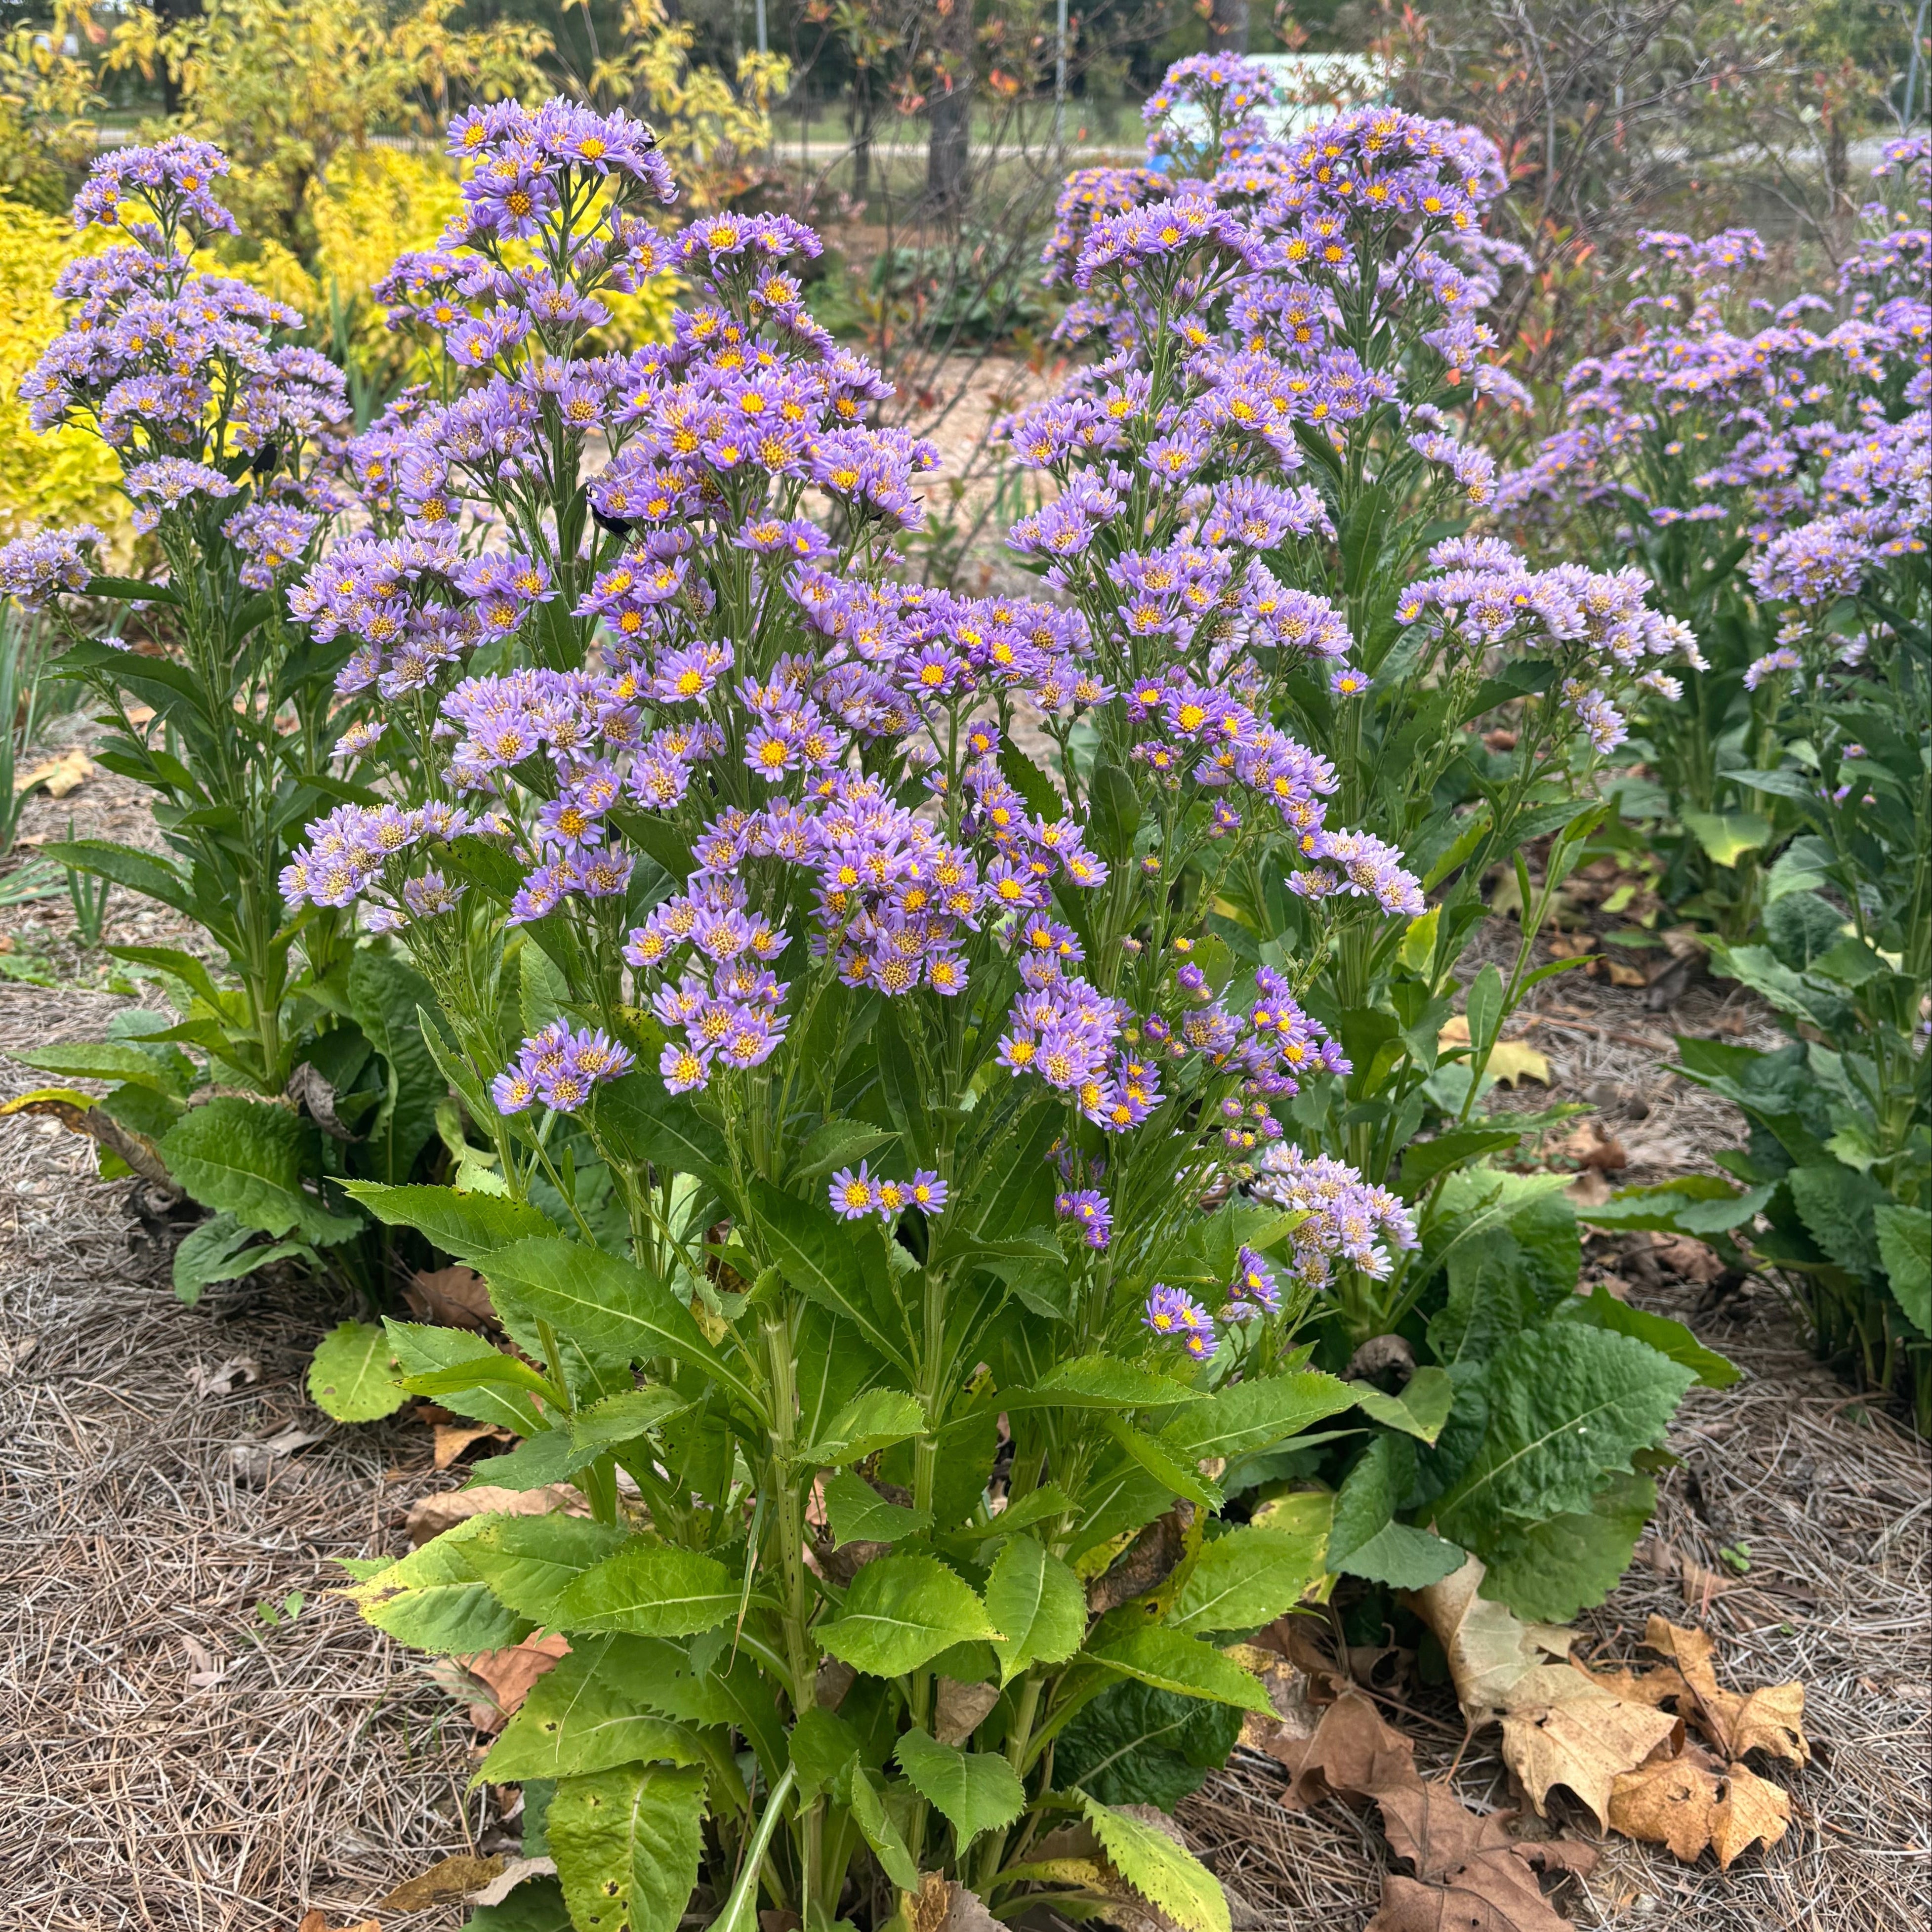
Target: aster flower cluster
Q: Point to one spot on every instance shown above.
(560, 1069)
(34, 568)
(1253, 1295)
(1348, 1220)
(1597, 626)
(855, 1194)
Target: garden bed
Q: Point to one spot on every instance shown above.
(176, 1760)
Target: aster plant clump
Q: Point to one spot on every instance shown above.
(1707, 440)
(228, 433)
(877, 1152)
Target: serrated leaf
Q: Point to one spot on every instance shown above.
(465, 1225)
(578, 1718)
(1133, 1744)
(1604, 1310)
(869, 1422)
(869, 1814)
(627, 1843)
(974, 1791)
(1037, 1603)
(1548, 1571)
(1172, 1471)
(650, 1589)
(1245, 1578)
(1171, 1660)
(1567, 1404)
(901, 1613)
(433, 1599)
(219, 1250)
(1421, 1408)
(1365, 1540)
(858, 1513)
(529, 1560)
(422, 1352)
(1247, 1416)
(245, 1157)
(1905, 1248)
(821, 1744)
(1100, 1381)
(352, 1375)
(1838, 1206)
(1169, 1878)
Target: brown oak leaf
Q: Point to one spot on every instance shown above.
(1692, 1801)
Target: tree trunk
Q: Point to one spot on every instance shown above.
(949, 112)
(1228, 26)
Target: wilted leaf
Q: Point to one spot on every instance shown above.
(453, 1438)
(434, 1514)
(446, 1882)
(60, 775)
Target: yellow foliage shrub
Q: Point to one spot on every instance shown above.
(70, 476)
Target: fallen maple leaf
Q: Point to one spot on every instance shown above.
(1691, 1802)
(454, 1297)
(1511, 1061)
(1495, 1892)
(1561, 1725)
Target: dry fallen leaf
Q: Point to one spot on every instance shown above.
(1623, 974)
(1352, 1752)
(512, 1875)
(1679, 1255)
(504, 1678)
(446, 1882)
(1771, 1719)
(945, 1905)
(206, 1669)
(961, 1709)
(454, 1297)
(453, 1438)
(1590, 1147)
(1691, 1802)
(317, 1920)
(434, 1514)
(1511, 1061)
(1496, 1891)
(1560, 1726)
(60, 775)
(225, 1378)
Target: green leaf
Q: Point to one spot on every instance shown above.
(1245, 1578)
(139, 871)
(219, 1250)
(556, 1455)
(627, 1843)
(901, 1613)
(1037, 1603)
(1171, 1660)
(464, 1225)
(1422, 1161)
(869, 1814)
(1905, 1247)
(1692, 1204)
(579, 1718)
(1726, 836)
(1567, 1404)
(481, 1367)
(818, 1256)
(1101, 1382)
(165, 1068)
(191, 972)
(245, 1157)
(1245, 1417)
(1364, 1539)
(1133, 1744)
(433, 1599)
(535, 1905)
(650, 1589)
(1604, 1310)
(1176, 1473)
(1421, 1408)
(1171, 1880)
(530, 1561)
(1113, 812)
(858, 1513)
(1838, 1206)
(1484, 1011)
(384, 994)
(1042, 795)
(973, 1791)
(353, 1375)
(421, 1350)
(131, 589)
(640, 1122)
(607, 1305)
(837, 1144)
(870, 1422)
(1548, 1571)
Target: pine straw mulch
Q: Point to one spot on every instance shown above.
(169, 1760)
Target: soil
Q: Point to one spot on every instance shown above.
(183, 1745)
